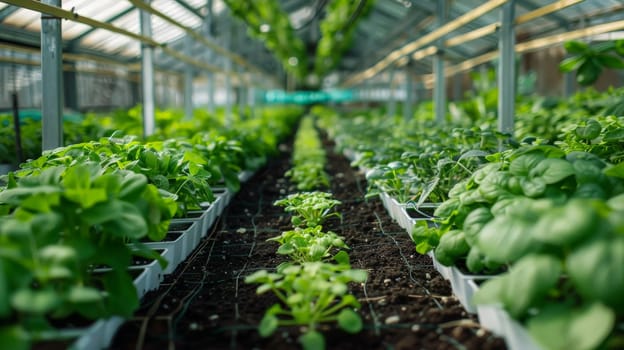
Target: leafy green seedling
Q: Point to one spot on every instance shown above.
(310, 294)
(308, 244)
(311, 208)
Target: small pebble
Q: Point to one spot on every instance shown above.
(387, 281)
(392, 319)
(213, 317)
(403, 308)
(194, 326)
(428, 276)
(415, 328)
(382, 302)
(241, 230)
(481, 332)
(456, 332)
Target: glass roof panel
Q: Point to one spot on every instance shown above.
(23, 17)
(177, 12)
(164, 31)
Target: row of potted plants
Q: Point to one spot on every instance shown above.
(76, 220)
(542, 218)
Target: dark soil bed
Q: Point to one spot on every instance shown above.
(207, 305)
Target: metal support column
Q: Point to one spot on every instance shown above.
(147, 74)
(408, 104)
(391, 100)
(52, 80)
(188, 80)
(506, 69)
(439, 86)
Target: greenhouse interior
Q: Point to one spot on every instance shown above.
(321, 174)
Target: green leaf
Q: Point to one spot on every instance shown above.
(615, 171)
(610, 61)
(356, 275)
(559, 326)
(507, 238)
(523, 164)
(14, 337)
(86, 197)
(533, 187)
(588, 73)
(35, 301)
(552, 170)
(526, 284)
(474, 222)
(268, 325)
(571, 63)
(102, 212)
(312, 340)
(84, 294)
(130, 224)
(133, 186)
(568, 224)
(576, 47)
(349, 321)
(590, 131)
(77, 177)
(342, 258)
(597, 270)
(452, 246)
(122, 294)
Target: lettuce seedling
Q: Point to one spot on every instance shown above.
(311, 208)
(308, 244)
(310, 294)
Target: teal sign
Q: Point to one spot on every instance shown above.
(308, 97)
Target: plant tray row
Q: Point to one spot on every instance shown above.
(183, 237)
(491, 317)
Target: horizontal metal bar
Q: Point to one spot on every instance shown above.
(428, 38)
(546, 10)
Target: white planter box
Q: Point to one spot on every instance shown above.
(516, 336)
(100, 334)
(445, 271)
(192, 232)
(464, 290)
(176, 251)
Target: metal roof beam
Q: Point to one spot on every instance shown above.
(529, 5)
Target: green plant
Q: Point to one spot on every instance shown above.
(310, 294)
(308, 244)
(310, 208)
(569, 277)
(308, 158)
(488, 214)
(59, 225)
(589, 60)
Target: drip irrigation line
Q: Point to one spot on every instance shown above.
(409, 267)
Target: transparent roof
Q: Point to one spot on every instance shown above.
(390, 25)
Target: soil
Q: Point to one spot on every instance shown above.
(205, 303)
